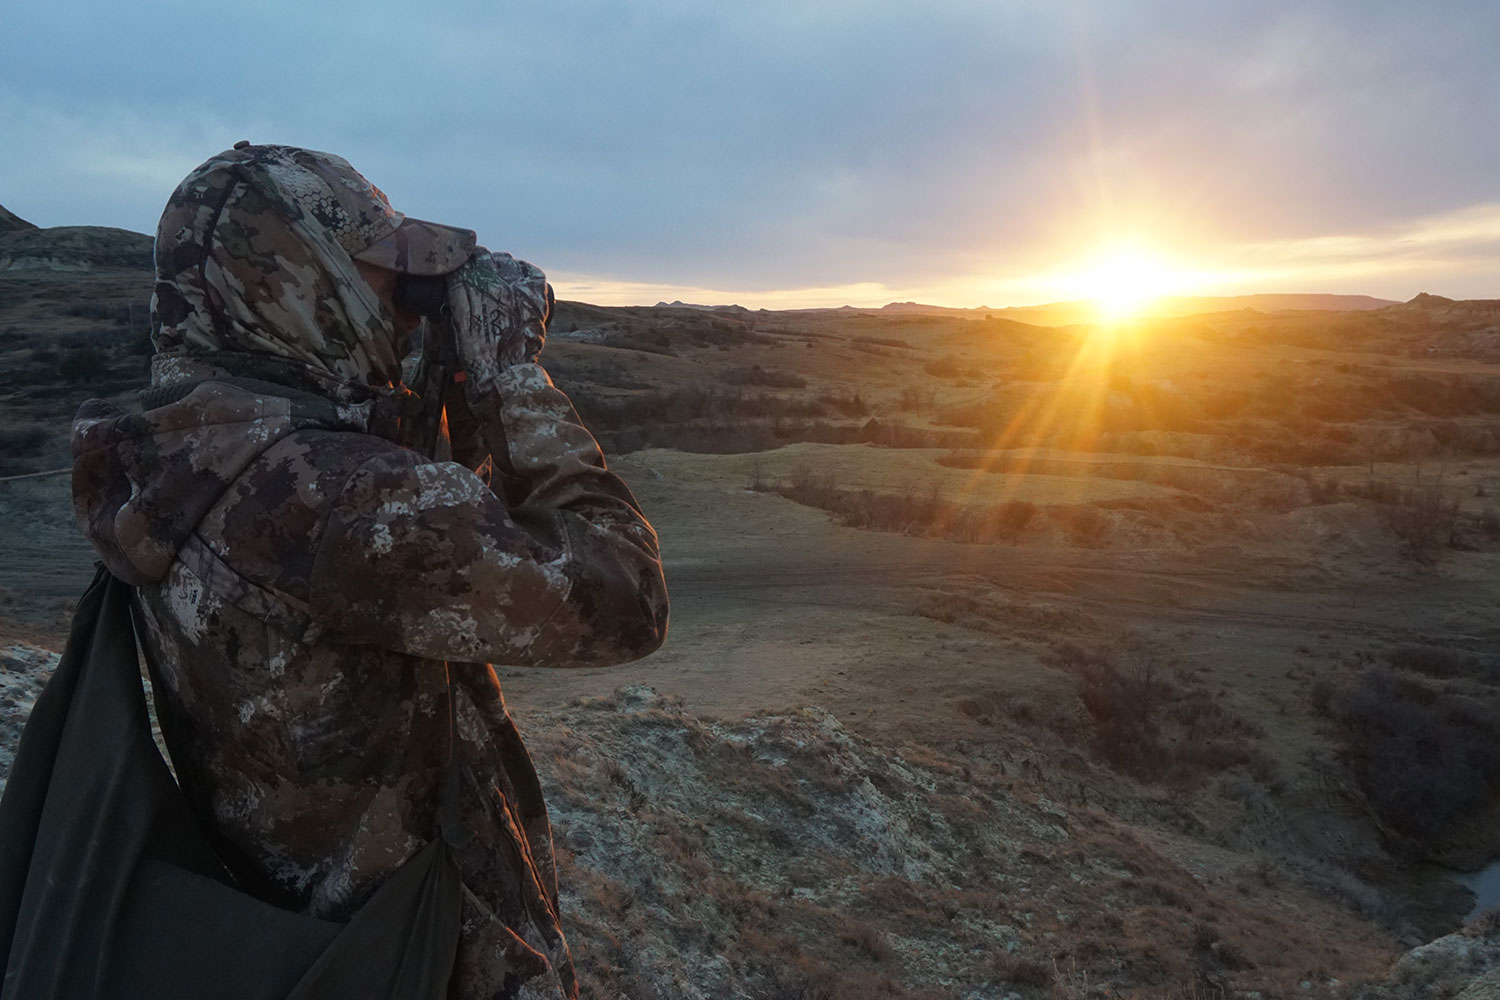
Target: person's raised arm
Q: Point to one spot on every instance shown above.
(556, 567)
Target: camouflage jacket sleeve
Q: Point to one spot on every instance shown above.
(561, 569)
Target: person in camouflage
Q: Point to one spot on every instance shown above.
(318, 605)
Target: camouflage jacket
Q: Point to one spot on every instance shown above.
(316, 603)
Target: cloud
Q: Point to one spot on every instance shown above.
(105, 165)
(610, 292)
(1455, 253)
(780, 145)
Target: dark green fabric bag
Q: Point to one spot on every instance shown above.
(110, 890)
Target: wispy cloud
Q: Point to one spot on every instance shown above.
(1387, 261)
(810, 152)
(1459, 232)
(609, 292)
(107, 164)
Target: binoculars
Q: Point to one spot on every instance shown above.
(426, 295)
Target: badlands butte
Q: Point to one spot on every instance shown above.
(1009, 656)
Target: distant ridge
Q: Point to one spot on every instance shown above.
(1277, 302)
(1083, 311)
(918, 307)
(12, 223)
(1462, 314)
(24, 247)
(1426, 303)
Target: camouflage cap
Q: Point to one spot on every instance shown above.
(255, 255)
(357, 213)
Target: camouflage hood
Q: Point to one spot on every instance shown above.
(143, 481)
(262, 325)
(252, 263)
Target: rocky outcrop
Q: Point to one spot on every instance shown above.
(782, 852)
(786, 856)
(1452, 311)
(1461, 966)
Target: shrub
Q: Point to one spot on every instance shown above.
(704, 418)
(1425, 519)
(82, 364)
(101, 311)
(23, 439)
(1086, 524)
(1434, 661)
(1423, 516)
(947, 367)
(1424, 761)
(756, 375)
(848, 404)
(1014, 515)
(913, 399)
(1124, 701)
(912, 511)
(20, 445)
(1148, 722)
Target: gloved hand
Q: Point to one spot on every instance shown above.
(500, 308)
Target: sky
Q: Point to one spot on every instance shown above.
(817, 152)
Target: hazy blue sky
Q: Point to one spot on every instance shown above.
(814, 152)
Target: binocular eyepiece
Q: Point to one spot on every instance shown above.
(426, 295)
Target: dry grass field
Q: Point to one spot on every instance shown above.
(1004, 659)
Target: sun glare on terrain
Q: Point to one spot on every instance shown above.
(1124, 282)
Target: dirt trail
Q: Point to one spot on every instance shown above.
(775, 606)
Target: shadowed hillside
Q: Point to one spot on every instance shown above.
(24, 247)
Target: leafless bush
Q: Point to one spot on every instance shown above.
(913, 511)
(1324, 490)
(1147, 721)
(1424, 517)
(23, 439)
(1434, 661)
(945, 367)
(1085, 524)
(850, 404)
(1124, 693)
(1424, 759)
(770, 378)
(707, 418)
(883, 342)
(1489, 522)
(916, 400)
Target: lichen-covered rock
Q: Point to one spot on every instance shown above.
(709, 858)
(24, 671)
(1461, 966)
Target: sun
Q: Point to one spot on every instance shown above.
(1124, 281)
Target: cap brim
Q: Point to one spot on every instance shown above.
(421, 247)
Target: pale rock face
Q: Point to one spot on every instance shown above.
(1462, 966)
(24, 671)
